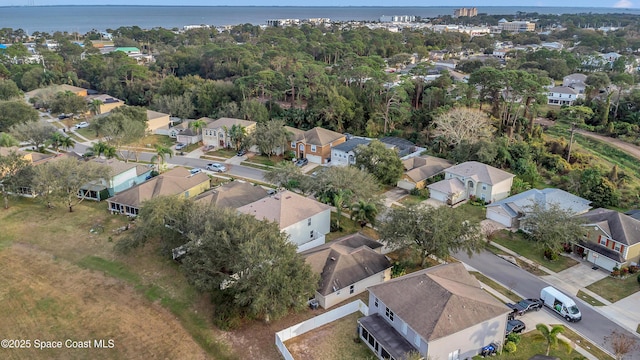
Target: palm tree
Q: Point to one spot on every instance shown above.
(197, 125)
(161, 154)
(364, 213)
(55, 140)
(66, 142)
(338, 200)
(101, 148)
(6, 140)
(95, 105)
(237, 134)
(550, 336)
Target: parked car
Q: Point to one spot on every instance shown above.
(195, 171)
(302, 162)
(64, 116)
(241, 152)
(180, 146)
(216, 167)
(82, 125)
(525, 306)
(514, 326)
(489, 350)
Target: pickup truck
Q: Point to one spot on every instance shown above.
(524, 306)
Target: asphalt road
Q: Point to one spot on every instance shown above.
(232, 170)
(593, 325)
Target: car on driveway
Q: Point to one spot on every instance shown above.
(524, 306)
(515, 326)
(180, 146)
(241, 152)
(302, 162)
(82, 125)
(216, 167)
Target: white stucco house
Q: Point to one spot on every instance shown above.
(441, 312)
(347, 266)
(305, 220)
(511, 210)
(344, 154)
(562, 95)
(472, 179)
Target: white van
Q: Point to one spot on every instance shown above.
(560, 303)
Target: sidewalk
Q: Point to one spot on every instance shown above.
(623, 312)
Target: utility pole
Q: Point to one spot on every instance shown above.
(573, 130)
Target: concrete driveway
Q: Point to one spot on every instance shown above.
(394, 195)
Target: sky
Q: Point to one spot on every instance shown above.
(394, 3)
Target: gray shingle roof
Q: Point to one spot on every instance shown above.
(622, 228)
(480, 172)
(519, 202)
(439, 301)
(351, 144)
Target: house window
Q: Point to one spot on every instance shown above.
(470, 184)
(293, 144)
(365, 334)
(484, 187)
(311, 234)
(313, 148)
(352, 289)
(455, 355)
(214, 133)
(404, 328)
(309, 222)
(602, 241)
(375, 301)
(616, 247)
(416, 340)
(388, 313)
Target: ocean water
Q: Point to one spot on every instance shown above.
(83, 19)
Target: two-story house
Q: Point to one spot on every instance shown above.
(123, 176)
(175, 182)
(575, 81)
(440, 312)
(216, 133)
(158, 123)
(315, 145)
(613, 239)
(347, 266)
(472, 179)
(344, 154)
(562, 95)
(305, 220)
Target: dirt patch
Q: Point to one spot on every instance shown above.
(50, 299)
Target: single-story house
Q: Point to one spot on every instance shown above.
(420, 168)
(347, 266)
(50, 91)
(441, 313)
(233, 194)
(613, 239)
(344, 154)
(175, 182)
(509, 211)
(189, 136)
(472, 179)
(158, 123)
(108, 102)
(305, 220)
(123, 176)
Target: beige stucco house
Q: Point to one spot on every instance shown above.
(419, 169)
(440, 312)
(158, 123)
(613, 239)
(175, 182)
(472, 179)
(347, 266)
(108, 102)
(305, 220)
(215, 133)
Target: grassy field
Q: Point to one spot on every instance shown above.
(472, 212)
(615, 289)
(517, 243)
(335, 340)
(62, 282)
(528, 348)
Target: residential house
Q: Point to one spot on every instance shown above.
(402, 146)
(575, 81)
(177, 129)
(613, 239)
(124, 175)
(175, 182)
(472, 179)
(233, 194)
(50, 91)
(189, 135)
(511, 210)
(344, 154)
(34, 158)
(419, 169)
(158, 123)
(305, 220)
(347, 266)
(215, 133)
(316, 144)
(440, 312)
(562, 95)
(108, 103)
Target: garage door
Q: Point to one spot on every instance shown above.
(601, 261)
(494, 214)
(314, 159)
(437, 195)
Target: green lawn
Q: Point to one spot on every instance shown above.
(615, 289)
(588, 298)
(411, 200)
(472, 212)
(586, 344)
(223, 153)
(517, 243)
(527, 348)
(494, 285)
(349, 227)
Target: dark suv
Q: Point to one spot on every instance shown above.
(525, 306)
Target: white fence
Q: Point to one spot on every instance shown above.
(315, 322)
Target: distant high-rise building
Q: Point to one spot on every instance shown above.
(397, 18)
(465, 12)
